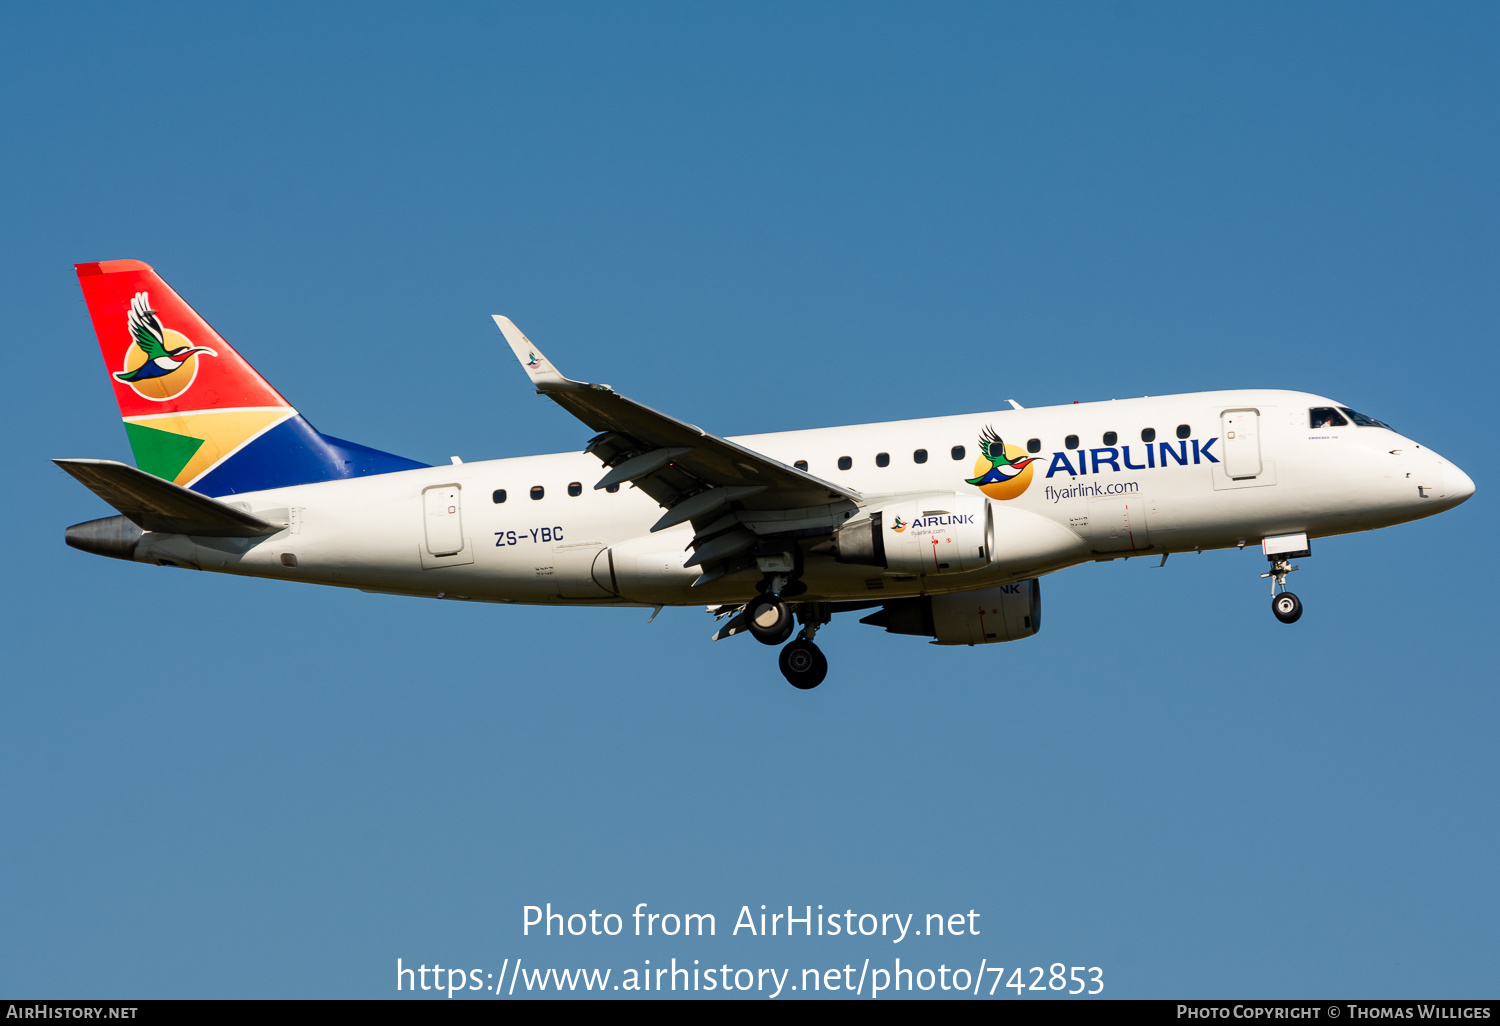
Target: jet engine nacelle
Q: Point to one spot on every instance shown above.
(937, 533)
(982, 617)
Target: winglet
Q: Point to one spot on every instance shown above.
(537, 366)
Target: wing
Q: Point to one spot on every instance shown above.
(145, 327)
(737, 500)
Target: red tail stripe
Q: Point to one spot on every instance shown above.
(223, 381)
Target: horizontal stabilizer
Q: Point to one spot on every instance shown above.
(157, 505)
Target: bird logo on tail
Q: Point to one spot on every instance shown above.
(160, 363)
(1009, 471)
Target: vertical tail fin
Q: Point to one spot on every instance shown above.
(196, 413)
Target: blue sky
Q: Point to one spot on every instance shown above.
(756, 217)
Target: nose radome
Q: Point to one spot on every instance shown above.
(1457, 486)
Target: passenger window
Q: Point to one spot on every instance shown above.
(499, 496)
(575, 489)
(882, 459)
(1034, 445)
(958, 452)
(1148, 434)
(1183, 431)
(1325, 417)
(1071, 441)
(845, 463)
(920, 456)
(612, 488)
(1360, 420)
(1110, 438)
(538, 492)
(800, 464)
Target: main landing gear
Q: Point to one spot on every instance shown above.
(803, 664)
(771, 621)
(1286, 606)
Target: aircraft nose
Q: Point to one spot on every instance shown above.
(1457, 486)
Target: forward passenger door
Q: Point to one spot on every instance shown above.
(1240, 430)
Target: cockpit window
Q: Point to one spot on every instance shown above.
(1362, 421)
(1325, 416)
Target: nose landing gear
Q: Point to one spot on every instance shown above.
(1281, 549)
(1286, 606)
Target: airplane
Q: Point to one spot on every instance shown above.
(938, 528)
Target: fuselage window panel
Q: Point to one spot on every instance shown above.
(845, 462)
(612, 488)
(1071, 442)
(1360, 420)
(1110, 438)
(575, 489)
(958, 452)
(1148, 435)
(1184, 431)
(498, 496)
(1034, 445)
(1325, 417)
(538, 491)
(800, 464)
(882, 459)
(920, 456)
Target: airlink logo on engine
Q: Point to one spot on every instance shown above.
(941, 520)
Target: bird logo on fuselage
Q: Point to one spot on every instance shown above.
(160, 363)
(1009, 469)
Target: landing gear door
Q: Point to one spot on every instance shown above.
(1241, 434)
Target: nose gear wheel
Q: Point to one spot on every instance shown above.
(1284, 605)
(1287, 607)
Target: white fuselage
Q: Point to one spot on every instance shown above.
(394, 532)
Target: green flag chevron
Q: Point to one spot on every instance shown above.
(162, 453)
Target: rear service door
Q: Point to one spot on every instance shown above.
(1241, 434)
(443, 506)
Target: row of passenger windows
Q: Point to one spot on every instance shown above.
(1318, 417)
(958, 452)
(575, 489)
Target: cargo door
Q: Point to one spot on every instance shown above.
(1241, 434)
(444, 515)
